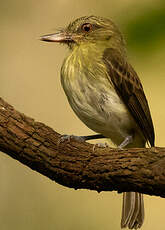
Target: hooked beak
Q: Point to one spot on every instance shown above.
(57, 37)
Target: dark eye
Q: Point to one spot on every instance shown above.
(86, 27)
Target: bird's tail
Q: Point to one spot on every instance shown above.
(133, 210)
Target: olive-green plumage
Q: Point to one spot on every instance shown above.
(106, 93)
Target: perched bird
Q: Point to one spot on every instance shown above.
(105, 93)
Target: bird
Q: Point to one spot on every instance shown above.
(106, 93)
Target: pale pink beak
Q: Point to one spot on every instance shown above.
(57, 37)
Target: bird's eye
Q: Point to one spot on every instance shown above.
(86, 27)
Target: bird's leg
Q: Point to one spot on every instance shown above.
(80, 138)
(126, 141)
(92, 137)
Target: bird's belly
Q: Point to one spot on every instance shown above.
(101, 109)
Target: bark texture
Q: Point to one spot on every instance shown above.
(76, 165)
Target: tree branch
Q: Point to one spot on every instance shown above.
(76, 165)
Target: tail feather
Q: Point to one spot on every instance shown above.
(128, 207)
(133, 210)
(140, 217)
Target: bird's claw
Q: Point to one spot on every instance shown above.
(68, 138)
(100, 145)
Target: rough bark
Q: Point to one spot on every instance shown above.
(76, 165)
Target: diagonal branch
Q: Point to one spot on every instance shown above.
(75, 164)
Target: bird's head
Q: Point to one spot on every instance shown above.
(88, 29)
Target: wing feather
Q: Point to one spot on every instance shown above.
(130, 90)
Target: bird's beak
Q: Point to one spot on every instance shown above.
(57, 37)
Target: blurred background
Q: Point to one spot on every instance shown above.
(30, 81)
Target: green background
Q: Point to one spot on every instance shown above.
(29, 80)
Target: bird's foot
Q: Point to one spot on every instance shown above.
(100, 145)
(68, 138)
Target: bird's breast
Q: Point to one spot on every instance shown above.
(94, 99)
